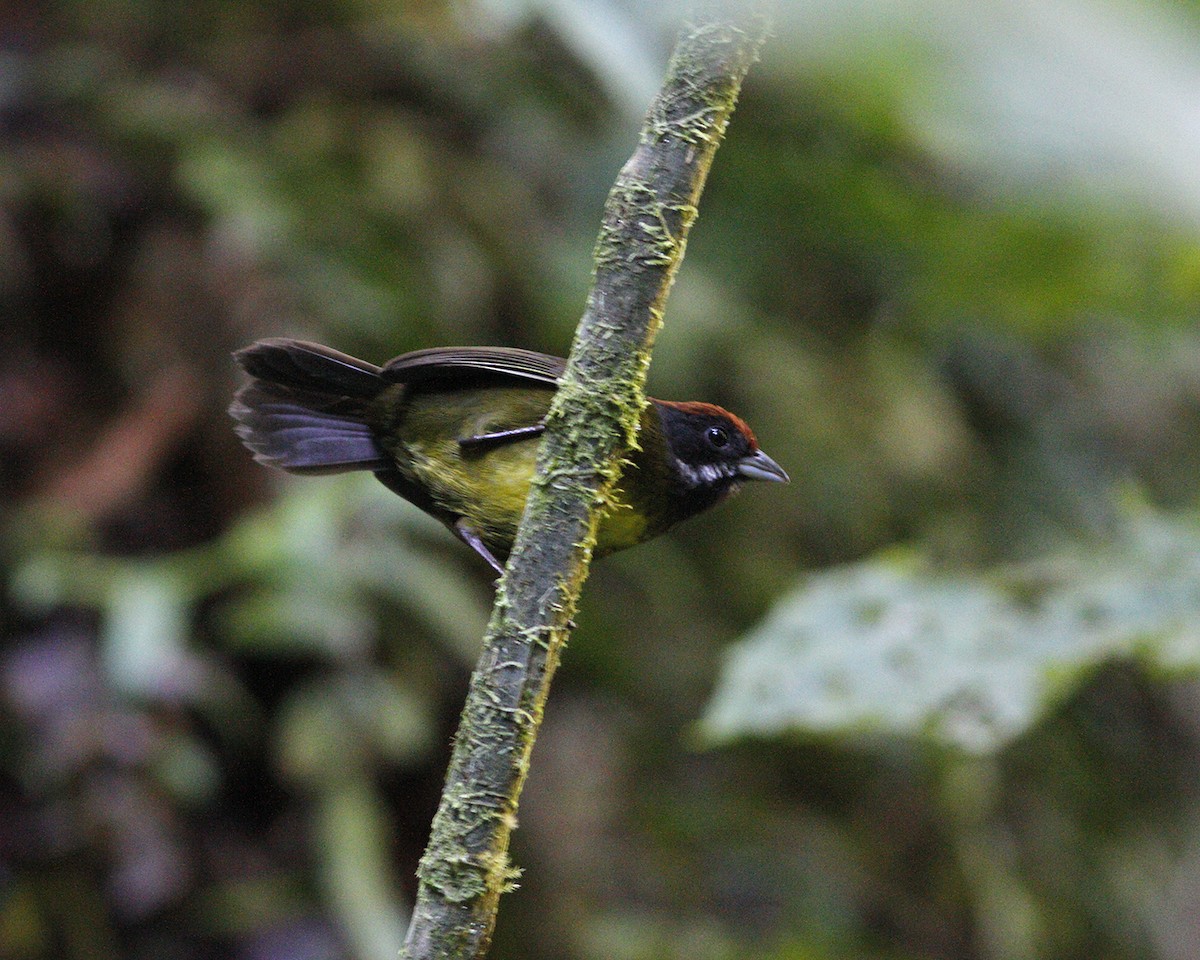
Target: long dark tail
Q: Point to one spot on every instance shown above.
(304, 410)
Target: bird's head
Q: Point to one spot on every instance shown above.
(713, 449)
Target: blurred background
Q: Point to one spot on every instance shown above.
(932, 700)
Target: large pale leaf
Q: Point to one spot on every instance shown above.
(889, 646)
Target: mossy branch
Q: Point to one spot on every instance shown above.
(591, 427)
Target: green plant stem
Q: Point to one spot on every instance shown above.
(591, 427)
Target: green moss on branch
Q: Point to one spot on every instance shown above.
(591, 427)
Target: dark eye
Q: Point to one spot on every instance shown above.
(717, 436)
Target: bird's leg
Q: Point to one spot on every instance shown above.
(470, 536)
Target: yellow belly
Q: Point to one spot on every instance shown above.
(488, 486)
(489, 491)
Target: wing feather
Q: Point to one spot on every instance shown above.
(473, 362)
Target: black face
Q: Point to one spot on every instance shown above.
(708, 445)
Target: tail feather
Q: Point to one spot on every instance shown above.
(305, 409)
(310, 367)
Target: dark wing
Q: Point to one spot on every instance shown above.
(474, 363)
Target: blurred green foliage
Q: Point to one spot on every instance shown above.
(890, 647)
(947, 266)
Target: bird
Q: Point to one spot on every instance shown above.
(454, 430)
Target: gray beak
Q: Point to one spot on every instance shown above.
(758, 466)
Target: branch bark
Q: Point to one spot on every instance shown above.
(591, 427)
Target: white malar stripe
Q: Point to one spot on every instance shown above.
(706, 474)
